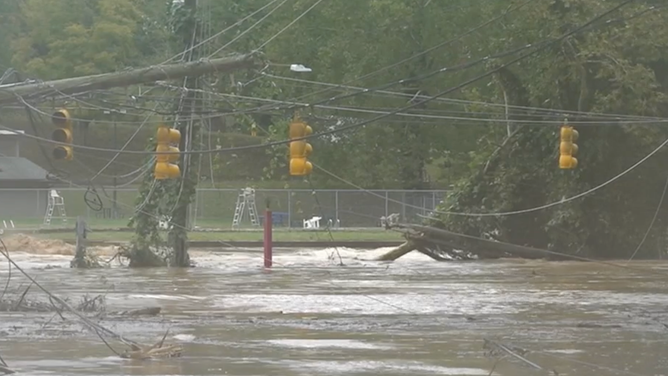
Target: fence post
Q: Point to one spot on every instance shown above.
(39, 202)
(403, 206)
(268, 256)
(336, 205)
(387, 204)
(289, 208)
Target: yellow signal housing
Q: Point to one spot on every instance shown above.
(62, 120)
(300, 149)
(166, 154)
(567, 148)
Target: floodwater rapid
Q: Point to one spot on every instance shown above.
(311, 316)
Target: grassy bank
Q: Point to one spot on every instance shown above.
(232, 236)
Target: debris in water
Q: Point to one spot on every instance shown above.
(61, 306)
(156, 351)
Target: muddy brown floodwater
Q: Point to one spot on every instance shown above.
(309, 316)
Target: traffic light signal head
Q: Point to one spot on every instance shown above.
(167, 135)
(166, 154)
(62, 134)
(300, 149)
(568, 149)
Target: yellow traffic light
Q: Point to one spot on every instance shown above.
(63, 133)
(300, 149)
(166, 154)
(567, 148)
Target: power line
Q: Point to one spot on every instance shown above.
(458, 101)
(429, 116)
(538, 47)
(247, 30)
(218, 33)
(289, 25)
(534, 209)
(440, 45)
(465, 65)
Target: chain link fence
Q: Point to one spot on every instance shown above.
(215, 207)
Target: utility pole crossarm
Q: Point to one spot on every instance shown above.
(104, 81)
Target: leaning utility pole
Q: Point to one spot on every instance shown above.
(14, 93)
(186, 189)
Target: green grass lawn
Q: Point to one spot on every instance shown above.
(231, 236)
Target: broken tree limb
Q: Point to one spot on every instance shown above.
(155, 351)
(149, 311)
(517, 353)
(483, 247)
(4, 368)
(398, 252)
(152, 352)
(88, 323)
(15, 93)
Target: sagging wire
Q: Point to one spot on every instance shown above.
(241, 34)
(87, 322)
(190, 122)
(539, 46)
(329, 227)
(46, 156)
(539, 110)
(399, 308)
(651, 224)
(471, 31)
(92, 199)
(140, 170)
(522, 211)
(95, 203)
(418, 115)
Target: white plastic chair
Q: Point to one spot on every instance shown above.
(312, 223)
(57, 199)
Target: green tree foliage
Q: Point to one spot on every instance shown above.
(612, 68)
(493, 146)
(67, 38)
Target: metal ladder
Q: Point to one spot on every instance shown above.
(245, 199)
(252, 209)
(61, 211)
(54, 200)
(49, 212)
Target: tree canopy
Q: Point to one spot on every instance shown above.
(495, 142)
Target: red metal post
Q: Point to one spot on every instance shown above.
(267, 239)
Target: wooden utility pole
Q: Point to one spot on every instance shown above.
(187, 189)
(12, 93)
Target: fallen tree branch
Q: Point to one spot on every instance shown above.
(155, 351)
(398, 252)
(496, 348)
(4, 368)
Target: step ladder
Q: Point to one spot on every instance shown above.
(245, 200)
(56, 203)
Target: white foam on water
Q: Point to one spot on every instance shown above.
(166, 297)
(184, 337)
(327, 343)
(396, 367)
